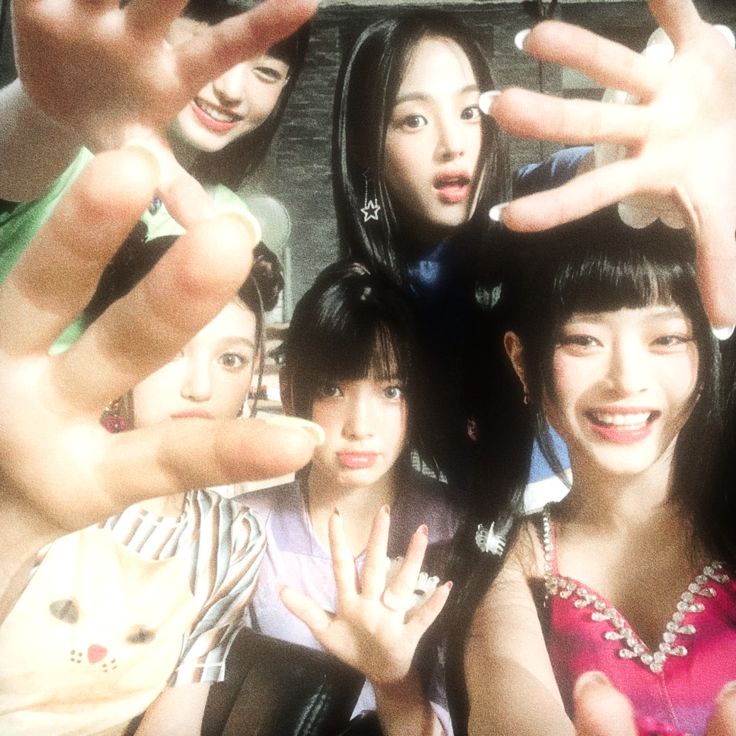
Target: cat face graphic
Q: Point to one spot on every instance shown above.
(67, 610)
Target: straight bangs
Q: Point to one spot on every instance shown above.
(352, 324)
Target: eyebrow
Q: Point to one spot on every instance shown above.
(660, 312)
(424, 97)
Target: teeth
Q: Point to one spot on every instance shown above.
(633, 421)
(217, 114)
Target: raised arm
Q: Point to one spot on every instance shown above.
(375, 629)
(59, 469)
(680, 138)
(98, 74)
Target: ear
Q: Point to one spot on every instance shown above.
(286, 390)
(515, 351)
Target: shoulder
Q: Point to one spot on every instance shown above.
(227, 518)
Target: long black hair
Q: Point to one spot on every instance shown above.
(350, 324)
(367, 87)
(243, 156)
(593, 265)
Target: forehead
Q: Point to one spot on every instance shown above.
(234, 323)
(436, 66)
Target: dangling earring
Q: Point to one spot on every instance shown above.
(370, 206)
(113, 418)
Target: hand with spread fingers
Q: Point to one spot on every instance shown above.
(601, 710)
(107, 71)
(375, 628)
(679, 139)
(60, 469)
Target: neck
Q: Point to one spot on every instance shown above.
(357, 505)
(616, 501)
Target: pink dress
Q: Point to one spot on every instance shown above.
(673, 687)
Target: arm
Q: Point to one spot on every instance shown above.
(506, 662)
(101, 74)
(374, 629)
(177, 711)
(59, 468)
(680, 139)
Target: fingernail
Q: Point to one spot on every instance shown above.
(591, 679)
(486, 100)
(723, 333)
(423, 529)
(520, 38)
(727, 691)
(336, 511)
(244, 217)
(315, 432)
(386, 509)
(151, 149)
(727, 34)
(496, 211)
(449, 585)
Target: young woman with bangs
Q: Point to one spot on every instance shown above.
(351, 367)
(627, 582)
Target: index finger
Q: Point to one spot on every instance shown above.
(210, 54)
(678, 18)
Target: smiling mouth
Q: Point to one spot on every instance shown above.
(625, 422)
(214, 118)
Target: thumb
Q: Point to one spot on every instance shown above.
(723, 720)
(600, 709)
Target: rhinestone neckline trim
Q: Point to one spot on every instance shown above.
(631, 645)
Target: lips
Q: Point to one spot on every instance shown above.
(192, 414)
(623, 426)
(213, 117)
(453, 187)
(357, 460)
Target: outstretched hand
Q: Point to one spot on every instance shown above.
(601, 710)
(680, 138)
(375, 628)
(60, 470)
(109, 72)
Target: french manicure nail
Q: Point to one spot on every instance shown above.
(315, 432)
(244, 217)
(486, 100)
(723, 333)
(151, 148)
(593, 678)
(520, 38)
(496, 211)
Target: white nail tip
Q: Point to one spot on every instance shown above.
(485, 101)
(727, 34)
(723, 333)
(520, 38)
(496, 211)
(314, 430)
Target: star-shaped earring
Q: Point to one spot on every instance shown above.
(370, 211)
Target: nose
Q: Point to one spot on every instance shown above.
(229, 87)
(359, 420)
(197, 382)
(450, 143)
(628, 369)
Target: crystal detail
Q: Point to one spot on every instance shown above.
(620, 631)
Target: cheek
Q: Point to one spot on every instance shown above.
(232, 392)
(329, 418)
(395, 421)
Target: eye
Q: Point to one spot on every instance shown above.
(470, 113)
(393, 392)
(140, 635)
(65, 610)
(233, 361)
(269, 74)
(578, 343)
(415, 121)
(671, 341)
(329, 391)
